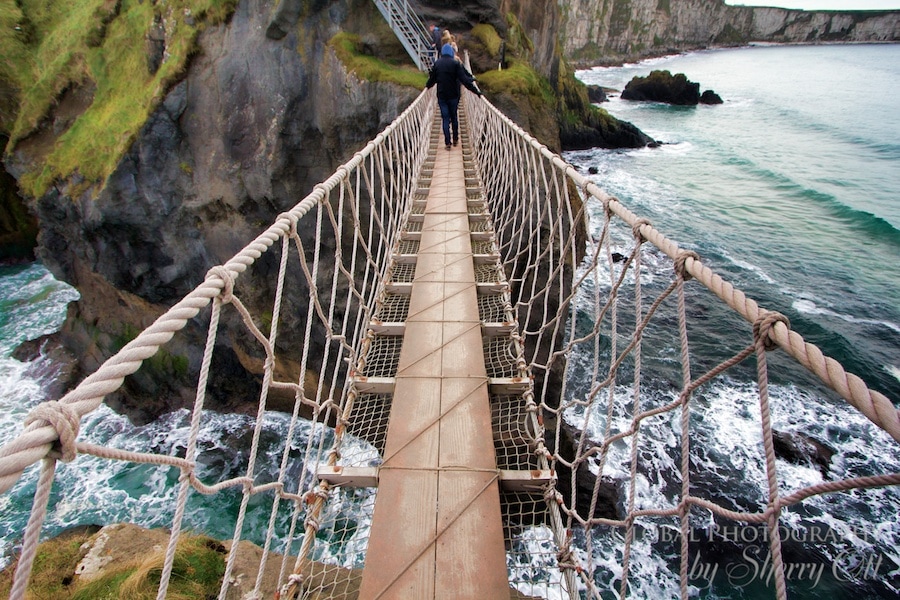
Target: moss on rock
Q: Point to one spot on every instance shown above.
(349, 49)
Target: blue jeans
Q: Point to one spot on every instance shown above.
(449, 116)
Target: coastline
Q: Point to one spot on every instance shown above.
(671, 52)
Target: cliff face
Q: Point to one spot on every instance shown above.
(607, 31)
(264, 111)
(252, 127)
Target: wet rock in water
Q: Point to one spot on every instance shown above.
(596, 94)
(608, 505)
(593, 170)
(799, 448)
(662, 86)
(710, 97)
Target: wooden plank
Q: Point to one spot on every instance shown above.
(400, 561)
(470, 555)
(349, 476)
(437, 531)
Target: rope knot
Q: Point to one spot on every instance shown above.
(227, 277)
(65, 421)
(565, 559)
(292, 219)
(763, 326)
(606, 201)
(312, 523)
(551, 495)
(680, 260)
(636, 230)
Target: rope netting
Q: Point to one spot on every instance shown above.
(330, 257)
(652, 497)
(598, 309)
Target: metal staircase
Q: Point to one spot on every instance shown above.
(409, 29)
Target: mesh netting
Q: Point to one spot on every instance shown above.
(487, 273)
(621, 432)
(383, 356)
(482, 247)
(408, 247)
(402, 272)
(479, 225)
(393, 309)
(492, 308)
(500, 357)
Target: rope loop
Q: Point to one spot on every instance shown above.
(552, 496)
(226, 276)
(565, 559)
(606, 202)
(312, 523)
(292, 219)
(763, 325)
(636, 230)
(584, 189)
(65, 420)
(325, 192)
(680, 260)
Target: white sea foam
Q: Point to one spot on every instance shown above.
(748, 266)
(808, 306)
(893, 370)
(728, 461)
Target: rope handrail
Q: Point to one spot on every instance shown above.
(589, 407)
(52, 427)
(875, 405)
(535, 218)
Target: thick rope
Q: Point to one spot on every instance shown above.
(362, 206)
(521, 204)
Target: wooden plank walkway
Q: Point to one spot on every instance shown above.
(437, 529)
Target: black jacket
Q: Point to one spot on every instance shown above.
(448, 73)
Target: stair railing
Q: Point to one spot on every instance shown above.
(409, 30)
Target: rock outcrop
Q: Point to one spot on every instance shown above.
(612, 31)
(247, 133)
(801, 449)
(662, 86)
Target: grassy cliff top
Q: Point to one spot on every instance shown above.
(113, 60)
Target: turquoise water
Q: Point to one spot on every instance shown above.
(792, 187)
(791, 191)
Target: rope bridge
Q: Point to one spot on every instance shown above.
(567, 321)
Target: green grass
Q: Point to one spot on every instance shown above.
(489, 38)
(519, 79)
(347, 47)
(196, 573)
(90, 43)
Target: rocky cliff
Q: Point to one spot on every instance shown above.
(250, 123)
(610, 31)
(264, 108)
(249, 130)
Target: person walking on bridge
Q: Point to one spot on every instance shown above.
(448, 74)
(435, 40)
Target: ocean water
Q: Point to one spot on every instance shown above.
(791, 190)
